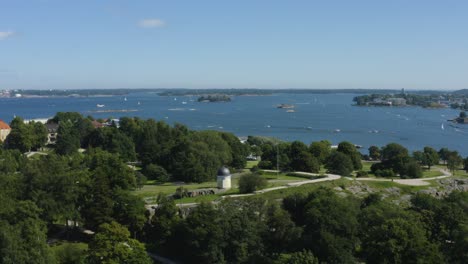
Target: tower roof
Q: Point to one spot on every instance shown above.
(4, 125)
(223, 171)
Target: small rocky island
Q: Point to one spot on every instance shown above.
(212, 98)
(285, 106)
(461, 119)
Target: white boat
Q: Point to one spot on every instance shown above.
(337, 131)
(184, 102)
(442, 126)
(139, 103)
(100, 105)
(125, 99)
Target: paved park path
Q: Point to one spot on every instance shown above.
(411, 182)
(328, 177)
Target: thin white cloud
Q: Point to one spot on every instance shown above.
(152, 23)
(6, 34)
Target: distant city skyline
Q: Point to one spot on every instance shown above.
(303, 44)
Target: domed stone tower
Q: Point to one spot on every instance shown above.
(224, 178)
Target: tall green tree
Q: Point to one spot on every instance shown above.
(395, 156)
(201, 236)
(351, 151)
(113, 141)
(129, 210)
(390, 234)
(431, 157)
(68, 140)
(239, 151)
(23, 234)
(321, 150)
(99, 203)
(399, 240)
(339, 163)
(38, 135)
(251, 182)
(55, 186)
(331, 226)
(112, 244)
(162, 225)
(304, 161)
(20, 137)
(465, 164)
(300, 257)
(454, 161)
(374, 152)
(444, 154)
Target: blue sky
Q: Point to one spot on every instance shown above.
(58, 44)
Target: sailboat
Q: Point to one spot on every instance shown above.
(125, 99)
(442, 126)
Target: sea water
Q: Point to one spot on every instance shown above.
(316, 117)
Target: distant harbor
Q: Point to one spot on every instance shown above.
(316, 117)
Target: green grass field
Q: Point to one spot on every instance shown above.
(251, 164)
(431, 173)
(405, 189)
(306, 188)
(283, 176)
(152, 189)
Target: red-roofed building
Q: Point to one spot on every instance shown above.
(96, 124)
(5, 129)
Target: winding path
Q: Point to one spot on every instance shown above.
(328, 177)
(411, 182)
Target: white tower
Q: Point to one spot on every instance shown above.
(224, 178)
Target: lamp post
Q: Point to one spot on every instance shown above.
(277, 161)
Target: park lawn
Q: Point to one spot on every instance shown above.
(366, 165)
(405, 189)
(431, 173)
(283, 176)
(434, 172)
(461, 173)
(322, 170)
(251, 164)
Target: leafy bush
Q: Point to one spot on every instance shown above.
(249, 183)
(361, 174)
(180, 193)
(306, 176)
(265, 164)
(412, 170)
(255, 169)
(385, 173)
(156, 172)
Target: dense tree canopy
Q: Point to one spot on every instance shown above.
(339, 163)
(93, 189)
(112, 244)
